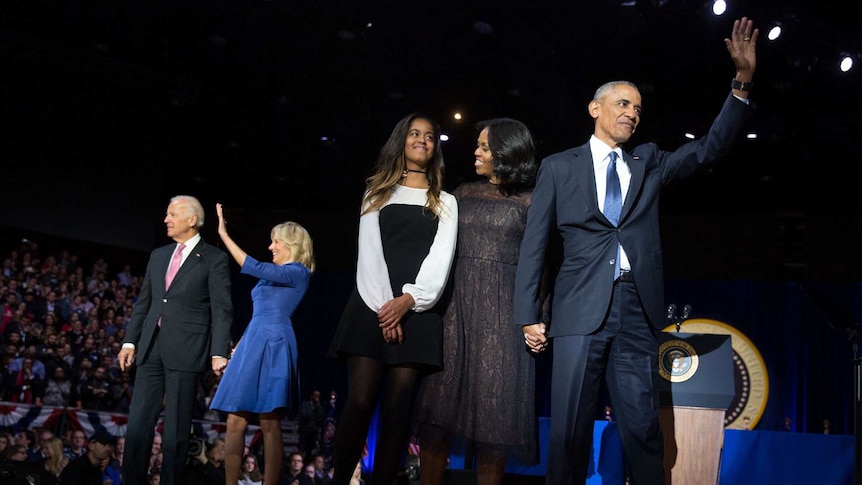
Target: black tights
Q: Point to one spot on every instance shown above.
(365, 377)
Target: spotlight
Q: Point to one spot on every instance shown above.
(774, 33)
(719, 7)
(846, 63)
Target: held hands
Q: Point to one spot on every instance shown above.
(390, 315)
(535, 337)
(741, 46)
(219, 365)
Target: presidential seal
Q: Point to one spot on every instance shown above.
(677, 361)
(750, 376)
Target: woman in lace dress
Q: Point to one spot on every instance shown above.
(391, 329)
(483, 400)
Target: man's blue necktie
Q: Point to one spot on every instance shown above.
(614, 203)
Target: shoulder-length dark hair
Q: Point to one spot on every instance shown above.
(391, 164)
(514, 152)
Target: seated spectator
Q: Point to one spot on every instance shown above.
(15, 469)
(121, 392)
(156, 457)
(16, 452)
(25, 386)
(308, 470)
(87, 468)
(110, 472)
(292, 473)
(37, 451)
(207, 467)
(250, 471)
(78, 445)
(311, 419)
(5, 374)
(59, 390)
(54, 461)
(327, 442)
(6, 440)
(26, 438)
(32, 352)
(14, 343)
(119, 449)
(96, 392)
(321, 477)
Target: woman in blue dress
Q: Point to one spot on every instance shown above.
(262, 376)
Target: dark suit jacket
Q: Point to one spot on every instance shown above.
(565, 200)
(196, 310)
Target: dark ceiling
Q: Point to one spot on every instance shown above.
(127, 102)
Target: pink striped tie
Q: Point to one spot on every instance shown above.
(172, 270)
(175, 265)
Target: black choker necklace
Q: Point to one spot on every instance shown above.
(414, 171)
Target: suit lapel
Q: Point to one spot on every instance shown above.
(637, 168)
(161, 264)
(586, 178)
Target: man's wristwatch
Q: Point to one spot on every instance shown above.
(742, 86)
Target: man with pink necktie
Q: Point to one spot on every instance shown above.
(181, 322)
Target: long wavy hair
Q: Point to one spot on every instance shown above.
(54, 463)
(255, 474)
(514, 152)
(391, 163)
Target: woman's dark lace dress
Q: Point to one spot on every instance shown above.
(484, 397)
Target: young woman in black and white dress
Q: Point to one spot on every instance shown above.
(391, 328)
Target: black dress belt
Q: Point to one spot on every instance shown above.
(625, 277)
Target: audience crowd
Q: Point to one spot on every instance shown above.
(63, 322)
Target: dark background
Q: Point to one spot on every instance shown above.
(278, 108)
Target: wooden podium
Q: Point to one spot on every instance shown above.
(697, 386)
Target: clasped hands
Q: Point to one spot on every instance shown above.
(390, 315)
(535, 336)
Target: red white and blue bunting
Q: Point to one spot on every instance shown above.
(15, 417)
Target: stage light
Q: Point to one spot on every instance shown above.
(846, 63)
(774, 33)
(719, 7)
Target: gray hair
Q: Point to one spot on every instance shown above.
(605, 88)
(192, 206)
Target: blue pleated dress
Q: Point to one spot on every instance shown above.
(262, 376)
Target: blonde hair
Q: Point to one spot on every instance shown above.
(55, 463)
(298, 240)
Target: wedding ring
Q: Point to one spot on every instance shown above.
(747, 39)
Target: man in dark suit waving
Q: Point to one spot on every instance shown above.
(180, 324)
(608, 299)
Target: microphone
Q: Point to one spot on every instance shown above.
(671, 311)
(686, 312)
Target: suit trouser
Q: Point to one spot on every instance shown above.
(155, 383)
(624, 351)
